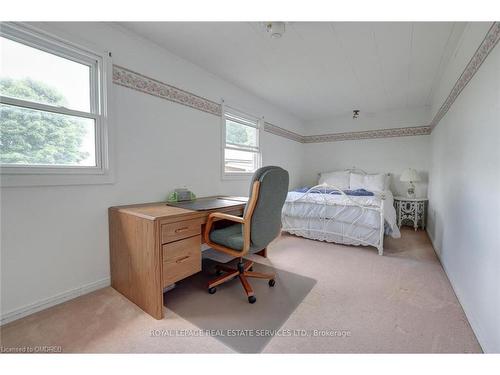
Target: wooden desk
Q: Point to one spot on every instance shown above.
(152, 246)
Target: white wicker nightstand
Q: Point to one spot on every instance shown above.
(410, 210)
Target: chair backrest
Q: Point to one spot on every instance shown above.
(266, 219)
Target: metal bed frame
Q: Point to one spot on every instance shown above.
(325, 190)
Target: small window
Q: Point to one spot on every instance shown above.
(52, 115)
(241, 143)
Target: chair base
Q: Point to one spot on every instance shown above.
(242, 272)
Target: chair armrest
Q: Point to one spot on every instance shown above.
(208, 229)
(245, 221)
(221, 215)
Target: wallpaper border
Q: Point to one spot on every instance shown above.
(133, 80)
(276, 130)
(489, 42)
(369, 134)
(136, 81)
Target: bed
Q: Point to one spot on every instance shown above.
(353, 216)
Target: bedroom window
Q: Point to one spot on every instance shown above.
(52, 105)
(241, 154)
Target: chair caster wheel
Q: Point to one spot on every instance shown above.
(252, 299)
(272, 283)
(212, 290)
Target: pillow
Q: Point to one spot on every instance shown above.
(370, 182)
(357, 181)
(375, 182)
(339, 179)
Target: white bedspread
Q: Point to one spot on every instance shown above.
(318, 216)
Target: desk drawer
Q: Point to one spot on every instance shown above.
(181, 259)
(179, 230)
(178, 249)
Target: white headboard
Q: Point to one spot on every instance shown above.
(356, 170)
(352, 170)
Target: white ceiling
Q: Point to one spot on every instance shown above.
(318, 70)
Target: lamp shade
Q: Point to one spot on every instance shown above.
(409, 175)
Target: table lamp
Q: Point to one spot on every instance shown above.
(410, 175)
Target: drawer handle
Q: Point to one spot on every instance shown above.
(183, 229)
(182, 259)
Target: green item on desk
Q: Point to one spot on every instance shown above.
(180, 195)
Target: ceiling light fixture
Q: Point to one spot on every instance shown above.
(355, 114)
(275, 29)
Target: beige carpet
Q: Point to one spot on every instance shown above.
(401, 302)
(244, 327)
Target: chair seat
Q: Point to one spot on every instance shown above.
(231, 236)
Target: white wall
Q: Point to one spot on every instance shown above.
(388, 155)
(464, 220)
(54, 240)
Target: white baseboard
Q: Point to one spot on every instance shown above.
(470, 316)
(21, 312)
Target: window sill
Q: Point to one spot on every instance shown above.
(19, 180)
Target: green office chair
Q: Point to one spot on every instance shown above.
(260, 224)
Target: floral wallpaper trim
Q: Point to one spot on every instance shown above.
(369, 134)
(276, 130)
(136, 81)
(489, 42)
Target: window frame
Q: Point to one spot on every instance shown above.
(235, 115)
(100, 67)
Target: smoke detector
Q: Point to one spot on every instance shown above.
(275, 29)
